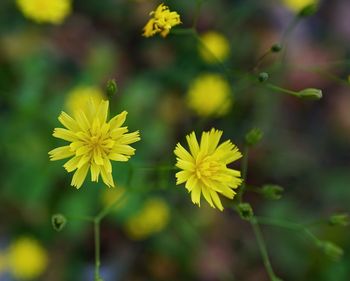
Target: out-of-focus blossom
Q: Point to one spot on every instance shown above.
(214, 46)
(162, 20)
(79, 97)
(26, 259)
(152, 218)
(110, 196)
(298, 5)
(204, 168)
(94, 142)
(45, 11)
(209, 95)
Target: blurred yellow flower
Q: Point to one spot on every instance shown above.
(27, 259)
(94, 142)
(215, 46)
(161, 22)
(298, 5)
(45, 11)
(80, 96)
(204, 168)
(151, 219)
(110, 196)
(209, 95)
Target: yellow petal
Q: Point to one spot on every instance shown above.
(193, 144)
(130, 138)
(79, 176)
(207, 196)
(95, 172)
(216, 199)
(182, 153)
(107, 177)
(118, 157)
(118, 120)
(196, 195)
(61, 153)
(72, 164)
(68, 122)
(64, 134)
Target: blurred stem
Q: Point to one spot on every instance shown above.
(197, 13)
(82, 218)
(263, 250)
(261, 59)
(280, 89)
(97, 249)
(244, 173)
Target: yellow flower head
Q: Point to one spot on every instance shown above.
(204, 168)
(298, 5)
(80, 96)
(93, 143)
(45, 11)
(161, 22)
(27, 259)
(209, 95)
(214, 47)
(151, 219)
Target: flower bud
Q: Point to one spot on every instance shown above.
(339, 219)
(310, 94)
(308, 10)
(58, 222)
(332, 250)
(253, 136)
(245, 211)
(275, 48)
(111, 87)
(263, 76)
(271, 191)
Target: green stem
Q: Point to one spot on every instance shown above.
(244, 173)
(283, 90)
(82, 218)
(97, 249)
(263, 250)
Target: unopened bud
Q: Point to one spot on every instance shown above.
(339, 219)
(111, 87)
(253, 136)
(263, 76)
(308, 10)
(310, 94)
(58, 222)
(245, 211)
(275, 48)
(332, 250)
(273, 192)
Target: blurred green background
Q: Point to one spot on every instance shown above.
(157, 233)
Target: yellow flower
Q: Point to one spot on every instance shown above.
(80, 96)
(45, 11)
(110, 196)
(161, 22)
(94, 142)
(298, 5)
(209, 95)
(214, 47)
(204, 168)
(151, 219)
(27, 259)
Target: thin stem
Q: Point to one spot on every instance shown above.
(244, 173)
(197, 13)
(261, 59)
(262, 246)
(283, 90)
(82, 218)
(97, 249)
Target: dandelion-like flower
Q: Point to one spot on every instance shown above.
(45, 11)
(94, 142)
(215, 46)
(209, 95)
(26, 259)
(162, 20)
(204, 168)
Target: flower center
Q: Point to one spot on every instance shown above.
(207, 168)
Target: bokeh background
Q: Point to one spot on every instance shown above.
(157, 233)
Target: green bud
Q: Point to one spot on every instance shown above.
(339, 219)
(308, 10)
(310, 94)
(332, 250)
(253, 136)
(245, 211)
(271, 191)
(275, 48)
(263, 76)
(58, 222)
(111, 87)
